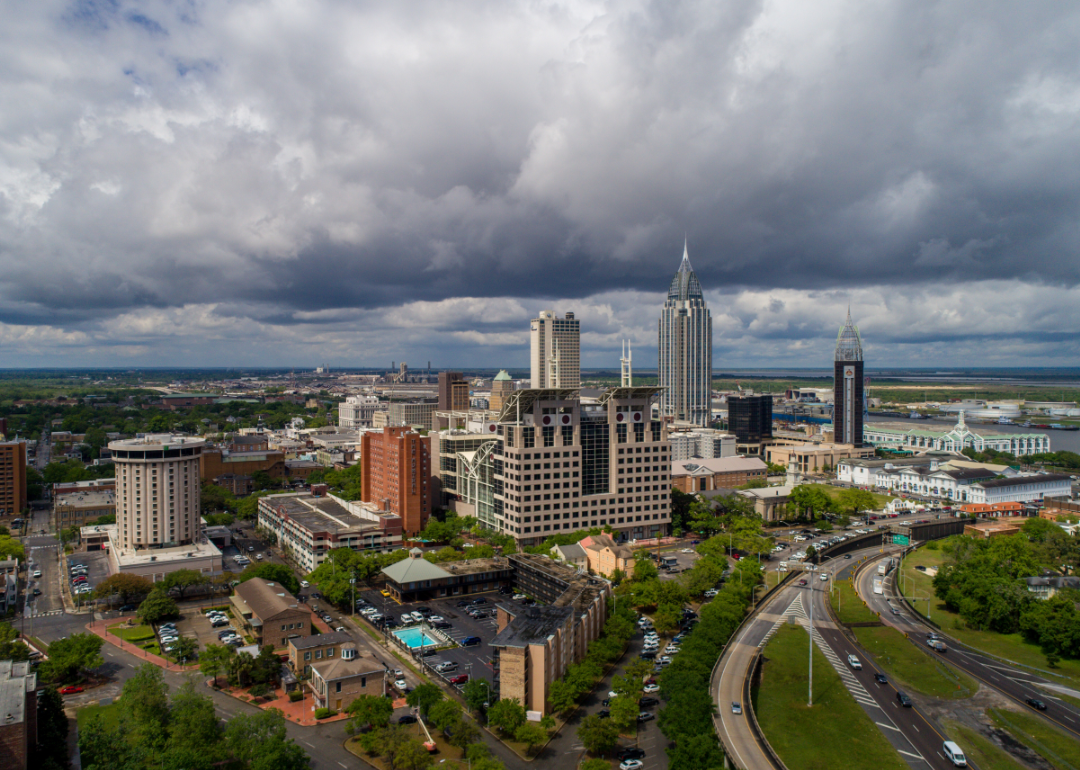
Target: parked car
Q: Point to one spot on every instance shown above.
(631, 764)
(444, 668)
(406, 719)
(646, 702)
(645, 716)
(401, 685)
(479, 600)
(470, 641)
(648, 655)
(630, 752)
(305, 584)
(71, 690)
(460, 679)
(518, 597)
(651, 688)
(442, 625)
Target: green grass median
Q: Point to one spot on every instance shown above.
(848, 605)
(1060, 750)
(912, 668)
(834, 732)
(978, 750)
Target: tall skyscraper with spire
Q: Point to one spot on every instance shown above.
(848, 392)
(685, 364)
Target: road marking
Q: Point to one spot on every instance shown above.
(917, 756)
(915, 726)
(888, 727)
(312, 745)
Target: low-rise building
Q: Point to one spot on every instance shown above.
(76, 510)
(959, 438)
(696, 475)
(359, 411)
(337, 682)
(1021, 489)
(18, 714)
(572, 554)
(307, 526)
(1046, 587)
(703, 442)
(306, 650)
(769, 502)
(994, 511)
(270, 613)
(811, 457)
(416, 579)
(604, 556)
(216, 463)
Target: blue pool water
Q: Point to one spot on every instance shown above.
(414, 637)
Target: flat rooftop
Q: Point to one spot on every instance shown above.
(531, 625)
(87, 498)
(320, 514)
(177, 553)
(475, 566)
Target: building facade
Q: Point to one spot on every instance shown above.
(338, 681)
(419, 413)
(961, 437)
(309, 526)
(685, 350)
(555, 351)
(848, 386)
(453, 392)
(270, 613)
(75, 510)
(700, 475)
(157, 491)
(750, 418)
(565, 463)
(396, 474)
(359, 411)
(19, 725)
(12, 478)
(704, 443)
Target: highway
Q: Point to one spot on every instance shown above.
(1014, 682)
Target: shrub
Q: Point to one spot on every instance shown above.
(295, 695)
(324, 713)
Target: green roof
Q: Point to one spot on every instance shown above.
(502, 376)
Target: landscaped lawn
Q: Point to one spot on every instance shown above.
(1055, 747)
(880, 501)
(110, 714)
(835, 732)
(134, 634)
(908, 666)
(978, 749)
(917, 586)
(849, 606)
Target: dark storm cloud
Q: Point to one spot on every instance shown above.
(317, 169)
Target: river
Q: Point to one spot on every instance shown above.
(1060, 440)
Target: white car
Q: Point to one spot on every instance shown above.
(435, 619)
(399, 674)
(37, 573)
(168, 639)
(664, 660)
(518, 597)
(651, 688)
(368, 611)
(417, 617)
(711, 593)
(305, 584)
(671, 649)
(401, 685)
(406, 619)
(687, 550)
(631, 764)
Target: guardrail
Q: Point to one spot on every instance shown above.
(714, 680)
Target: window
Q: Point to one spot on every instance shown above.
(318, 655)
(307, 656)
(337, 686)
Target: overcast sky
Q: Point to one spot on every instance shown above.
(355, 183)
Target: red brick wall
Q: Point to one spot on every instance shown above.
(396, 466)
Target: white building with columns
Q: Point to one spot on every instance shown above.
(961, 437)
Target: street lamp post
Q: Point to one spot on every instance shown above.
(810, 687)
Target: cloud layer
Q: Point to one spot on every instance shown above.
(288, 183)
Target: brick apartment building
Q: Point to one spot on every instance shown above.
(396, 474)
(18, 720)
(12, 477)
(218, 464)
(270, 613)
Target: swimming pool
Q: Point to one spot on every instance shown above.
(414, 637)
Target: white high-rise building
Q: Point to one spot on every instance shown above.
(685, 362)
(359, 411)
(556, 351)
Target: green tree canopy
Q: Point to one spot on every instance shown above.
(157, 606)
(274, 573)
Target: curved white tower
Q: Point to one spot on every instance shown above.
(685, 361)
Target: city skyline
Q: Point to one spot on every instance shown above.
(175, 190)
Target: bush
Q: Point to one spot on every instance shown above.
(295, 695)
(324, 713)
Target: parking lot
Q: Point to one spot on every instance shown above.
(685, 562)
(97, 563)
(474, 661)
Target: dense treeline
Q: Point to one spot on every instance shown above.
(985, 585)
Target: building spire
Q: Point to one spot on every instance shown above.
(684, 266)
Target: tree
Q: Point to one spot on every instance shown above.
(258, 741)
(598, 736)
(193, 723)
(624, 710)
(11, 647)
(145, 706)
(185, 649)
(464, 734)
(507, 715)
(70, 657)
(411, 755)
(856, 500)
(531, 734)
(215, 660)
(273, 573)
(562, 696)
(477, 692)
(125, 585)
(11, 548)
(645, 569)
(638, 669)
(444, 714)
(156, 607)
(424, 697)
(182, 580)
(369, 710)
(52, 730)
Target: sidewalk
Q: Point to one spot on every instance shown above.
(100, 627)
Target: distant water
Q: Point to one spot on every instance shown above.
(1060, 440)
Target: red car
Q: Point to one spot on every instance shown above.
(70, 690)
(462, 679)
(651, 680)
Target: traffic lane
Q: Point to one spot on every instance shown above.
(991, 672)
(50, 599)
(915, 727)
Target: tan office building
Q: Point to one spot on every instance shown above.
(556, 351)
